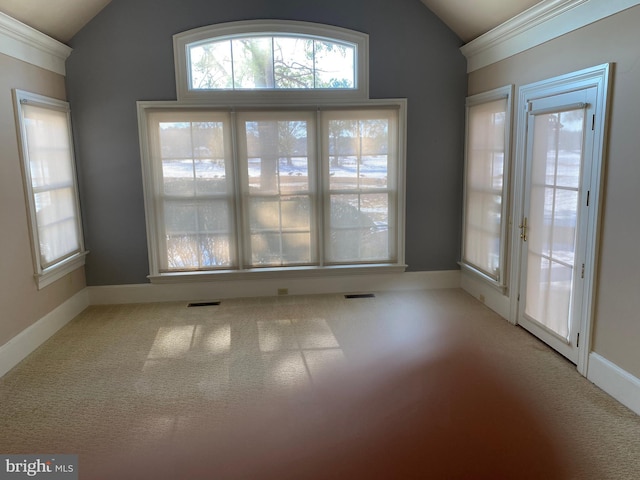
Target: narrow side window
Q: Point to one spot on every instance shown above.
(44, 126)
(486, 165)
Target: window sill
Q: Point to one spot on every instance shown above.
(279, 273)
(484, 277)
(59, 270)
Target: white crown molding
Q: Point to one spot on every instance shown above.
(545, 21)
(20, 41)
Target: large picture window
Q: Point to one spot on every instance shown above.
(486, 164)
(50, 185)
(273, 158)
(245, 189)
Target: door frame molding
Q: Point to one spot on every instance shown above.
(600, 77)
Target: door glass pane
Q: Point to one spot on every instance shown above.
(555, 179)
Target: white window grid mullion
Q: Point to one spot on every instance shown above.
(321, 183)
(239, 217)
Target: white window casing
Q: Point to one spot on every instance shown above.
(487, 161)
(355, 47)
(281, 221)
(273, 160)
(50, 182)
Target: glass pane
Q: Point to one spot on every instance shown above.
(214, 216)
(193, 158)
(180, 217)
(293, 160)
(570, 148)
(175, 139)
(296, 248)
(192, 252)
(253, 63)
(277, 214)
(482, 232)
(211, 216)
(264, 214)
(56, 220)
(195, 215)
(211, 177)
(549, 293)
(49, 152)
(359, 227)
(263, 153)
(335, 65)
(57, 240)
(54, 206)
(484, 183)
(296, 212)
(266, 249)
(275, 249)
(358, 153)
(555, 179)
(293, 62)
(211, 66)
(265, 61)
(277, 156)
(177, 177)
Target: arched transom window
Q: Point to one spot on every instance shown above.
(276, 58)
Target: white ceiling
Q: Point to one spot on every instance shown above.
(61, 19)
(471, 18)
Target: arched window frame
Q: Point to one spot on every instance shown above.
(182, 42)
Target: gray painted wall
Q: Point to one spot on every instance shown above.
(126, 54)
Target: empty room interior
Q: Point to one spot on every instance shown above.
(337, 239)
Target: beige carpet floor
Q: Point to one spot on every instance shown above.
(403, 385)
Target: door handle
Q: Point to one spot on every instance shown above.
(523, 229)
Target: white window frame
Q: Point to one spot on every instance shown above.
(182, 41)
(499, 280)
(396, 265)
(47, 274)
(237, 100)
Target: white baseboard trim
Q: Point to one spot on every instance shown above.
(20, 346)
(617, 382)
(216, 290)
(491, 296)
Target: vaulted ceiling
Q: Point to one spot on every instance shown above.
(61, 19)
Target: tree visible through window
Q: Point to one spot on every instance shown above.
(273, 157)
(272, 62)
(277, 201)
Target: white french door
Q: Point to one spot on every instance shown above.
(554, 224)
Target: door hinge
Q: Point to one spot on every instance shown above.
(582, 274)
(578, 340)
(588, 196)
(593, 122)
